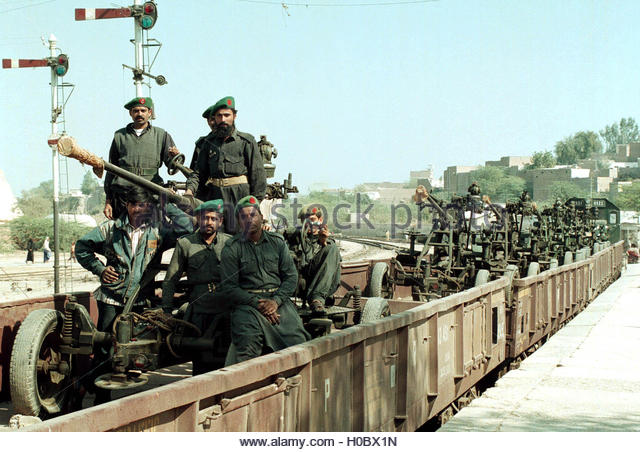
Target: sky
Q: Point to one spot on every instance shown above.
(348, 91)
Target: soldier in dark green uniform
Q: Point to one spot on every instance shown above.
(317, 258)
(259, 278)
(229, 165)
(198, 255)
(139, 148)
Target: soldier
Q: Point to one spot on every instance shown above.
(128, 243)
(259, 278)
(317, 259)
(229, 164)
(198, 255)
(139, 148)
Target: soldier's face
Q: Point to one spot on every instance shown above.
(314, 222)
(139, 212)
(210, 222)
(224, 116)
(250, 220)
(212, 122)
(140, 116)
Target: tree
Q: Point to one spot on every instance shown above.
(494, 183)
(89, 184)
(624, 132)
(629, 199)
(580, 146)
(37, 202)
(542, 160)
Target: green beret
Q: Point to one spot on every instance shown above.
(139, 102)
(225, 102)
(310, 210)
(215, 205)
(248, 201)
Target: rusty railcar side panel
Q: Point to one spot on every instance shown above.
(392, 374)
(12, 313)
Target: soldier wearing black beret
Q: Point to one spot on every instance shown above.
(229, 164)
(139, 148)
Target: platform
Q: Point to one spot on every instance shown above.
(585, 378)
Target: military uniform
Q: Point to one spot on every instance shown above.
(141, 155)
(206, 310)
(227, 168)
(251, 271)
(318, 266)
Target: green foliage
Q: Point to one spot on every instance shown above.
(496, 184)
(37, 202)
(629, 199)
(580, 146)
(624, 132)
(565, 190)
(542, 160)
(89, 183)
(23, 228)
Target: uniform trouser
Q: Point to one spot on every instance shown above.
(218, 328)
(322, 274)
(230, 196)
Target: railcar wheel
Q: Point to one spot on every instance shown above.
(511, 273)
(375, 308)
(534, 269)
(568, 258)
(482, 277)
(379, 285)
(39, 374)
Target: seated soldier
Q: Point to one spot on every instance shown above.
(129, 243)
(259, 278)
(198, 255)
(317, 258)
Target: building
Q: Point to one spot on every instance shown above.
(629, 152)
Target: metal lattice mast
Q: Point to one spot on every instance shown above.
(59, 65)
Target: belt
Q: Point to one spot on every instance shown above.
(141, 171)
(260, 291)
(211, 286)
(227, 181)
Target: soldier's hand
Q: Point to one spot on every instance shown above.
(173, 151)
(323, 234)
(267, 307)
(109, 275)
(274, 319)
(108, 210)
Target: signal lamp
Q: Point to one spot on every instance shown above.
(149, 15)
(61, 65)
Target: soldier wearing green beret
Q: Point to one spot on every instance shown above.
(139, 148)
(198, 255)
(317, 259)
(259, 278)
(229, 164)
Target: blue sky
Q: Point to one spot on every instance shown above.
(347, 94)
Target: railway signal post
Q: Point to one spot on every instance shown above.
(59, 64)
(146, 16)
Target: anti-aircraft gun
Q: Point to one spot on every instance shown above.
(467, 246)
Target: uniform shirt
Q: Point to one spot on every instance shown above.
(145, 152)
(201, 262)
(236, 155)
(263, 265)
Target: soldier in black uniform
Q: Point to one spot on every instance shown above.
(139, 148)
(229, 165)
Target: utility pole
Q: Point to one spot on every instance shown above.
(59, 66)
(146, 16)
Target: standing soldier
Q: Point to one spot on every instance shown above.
(229, 165)
(317, 258)
(259, 278)
(139, 148)
(198, 255)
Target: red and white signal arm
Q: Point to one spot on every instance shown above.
(102, 13)
(10, 63)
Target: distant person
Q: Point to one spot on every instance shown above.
(30, 249)
(633, 253)
(72, 253)
(229, 165)
(46, 251)
(139, 148)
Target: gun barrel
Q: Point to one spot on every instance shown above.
(68, 147)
